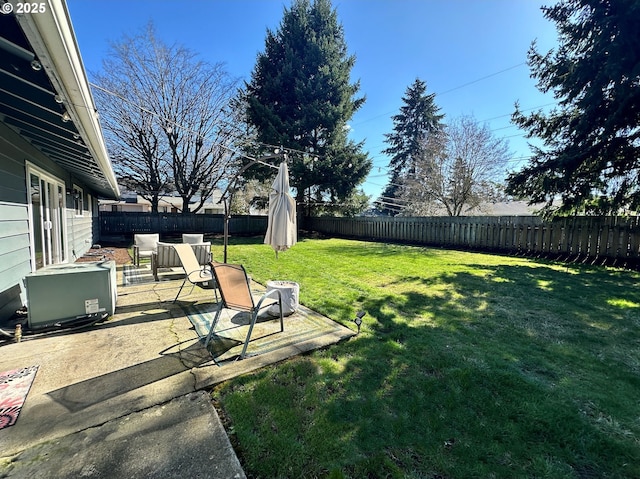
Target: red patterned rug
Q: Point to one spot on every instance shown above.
(14, 387)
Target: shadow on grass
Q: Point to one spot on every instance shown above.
(504, 371)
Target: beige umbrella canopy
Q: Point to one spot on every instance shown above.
(282, 231)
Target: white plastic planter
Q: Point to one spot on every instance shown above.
(290, 292)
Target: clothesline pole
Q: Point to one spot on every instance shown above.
(227, 196)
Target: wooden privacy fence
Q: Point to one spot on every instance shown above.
(612, 240)
(126, 224)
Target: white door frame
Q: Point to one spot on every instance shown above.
(49, 213)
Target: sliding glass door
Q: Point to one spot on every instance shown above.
(48, 226)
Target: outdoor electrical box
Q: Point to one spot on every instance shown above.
(67, 292)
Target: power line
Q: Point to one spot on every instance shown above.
(513, 136)
(503, 128)
(449, 91)
(385, 157)
(526, 109)
(481, 79)
(378, 176)
(516, 159)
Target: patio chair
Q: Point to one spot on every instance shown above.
(233, 283)
(167, 257)
(193, 238)
(194, 272)
(144, 245)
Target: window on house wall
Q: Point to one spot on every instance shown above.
(78, 200)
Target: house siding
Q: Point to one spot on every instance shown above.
(80, 230)
(15, 262)
(12, 178)
(15, 259)
(15, 253)
(43, 168)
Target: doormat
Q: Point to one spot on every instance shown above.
(132, 274)
(14, 387)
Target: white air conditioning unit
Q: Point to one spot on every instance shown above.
(67, 292)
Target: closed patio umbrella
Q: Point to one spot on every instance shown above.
(282, 231)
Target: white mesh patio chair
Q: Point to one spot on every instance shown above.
(194, 272)
(166, 256)
(193, 238)
(144, 246)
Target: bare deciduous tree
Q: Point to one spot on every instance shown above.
(134, 140)
(166, 116)
(457, 172)
(253, 194)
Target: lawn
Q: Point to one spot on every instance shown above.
(468, 365)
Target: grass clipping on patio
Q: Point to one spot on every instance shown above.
(468, 365)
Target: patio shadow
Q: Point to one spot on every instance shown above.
(90, 392)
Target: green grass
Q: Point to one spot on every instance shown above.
(467, 366)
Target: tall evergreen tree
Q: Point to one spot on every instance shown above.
(419, 117)
(300, 97)
(591, 154)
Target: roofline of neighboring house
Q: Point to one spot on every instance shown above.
(53, 40)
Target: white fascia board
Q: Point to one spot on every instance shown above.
(52, 37)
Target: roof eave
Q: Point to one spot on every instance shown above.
(53, 40)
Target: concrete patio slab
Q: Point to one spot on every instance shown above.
(149, 355)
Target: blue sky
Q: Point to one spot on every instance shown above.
(471, 53)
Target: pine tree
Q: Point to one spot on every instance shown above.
(591, 154)
(419, 117)
(300, 97)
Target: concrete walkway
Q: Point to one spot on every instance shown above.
(127, 397)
